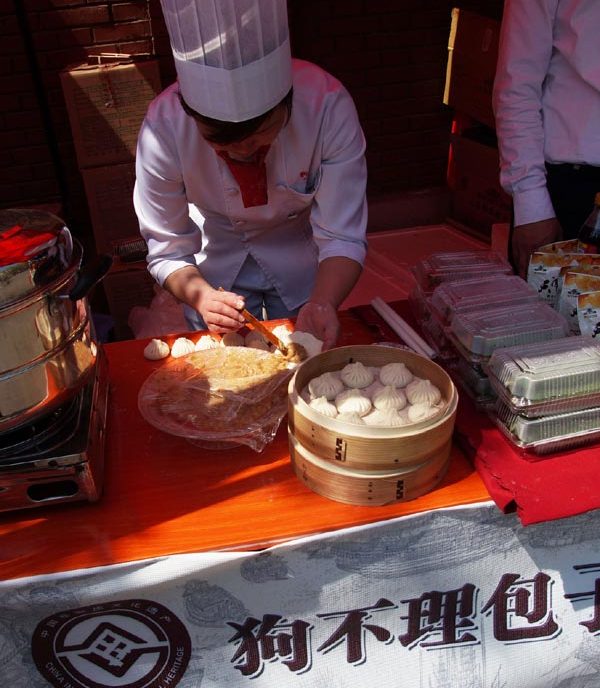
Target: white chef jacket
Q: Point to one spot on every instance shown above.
(190, 208)
(546, 96)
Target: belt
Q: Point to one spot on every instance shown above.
(578, 169)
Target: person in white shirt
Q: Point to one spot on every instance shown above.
(252, 183)
(546, 101)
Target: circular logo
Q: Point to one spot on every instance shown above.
(124, 644)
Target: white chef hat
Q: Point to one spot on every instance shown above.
(232, 57)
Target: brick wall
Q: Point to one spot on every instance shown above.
(391, 54)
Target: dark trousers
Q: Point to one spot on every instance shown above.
(572, 189)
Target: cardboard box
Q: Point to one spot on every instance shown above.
(472, 57)
(127, 286)
(109, 192)
(477, 199)
(106, 105)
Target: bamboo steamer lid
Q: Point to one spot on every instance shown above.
(365, 447)
(367, 488)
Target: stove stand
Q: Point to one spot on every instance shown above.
(59, 458)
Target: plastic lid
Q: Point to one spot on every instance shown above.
(540, 375)
(443, 266)
(481, 332)
(473, 294)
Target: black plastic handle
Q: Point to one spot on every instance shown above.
(90, 275)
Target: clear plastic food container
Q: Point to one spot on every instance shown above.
(475, 377)
(551, 433)
(549, 377)
(429, 325)
(474, 294)
(443, 266)
(419, 302)
(472, 380)
(480, 333)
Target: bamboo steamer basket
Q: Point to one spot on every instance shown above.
(364, 488)
(361, 447)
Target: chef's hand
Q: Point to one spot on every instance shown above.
(320, 320)
(528, 238)
(219, 309)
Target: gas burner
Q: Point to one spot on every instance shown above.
(59, 457)
(44, 435)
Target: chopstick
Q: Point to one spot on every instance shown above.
(402, 328)
(265, 331)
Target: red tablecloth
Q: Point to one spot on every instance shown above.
(538, 488)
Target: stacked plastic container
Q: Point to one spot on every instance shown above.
(439, 269)
(548, 395)
(469, 304)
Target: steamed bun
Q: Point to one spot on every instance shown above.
(385, 418)
(205, 342)
(421, 391)
(311, 344)
(182, 346)
(255, 340)
(232, 339)
(327, 385)
(389, 397)
(352, 401)
(419, 412)
(156, 349)
(353, 418)
(396, 374)
(322, 405)
(357, 375)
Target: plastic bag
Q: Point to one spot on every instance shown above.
(235, 395)
(163, 316)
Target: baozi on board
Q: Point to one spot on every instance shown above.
(156, 349)
(232, 339)
(205, 342)
(182, 346)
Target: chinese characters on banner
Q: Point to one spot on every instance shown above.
(464, 597)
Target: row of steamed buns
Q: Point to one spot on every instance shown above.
(157, 348)
(386, 396)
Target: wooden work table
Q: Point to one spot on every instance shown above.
(163, 495)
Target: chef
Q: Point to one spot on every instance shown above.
(250, 174)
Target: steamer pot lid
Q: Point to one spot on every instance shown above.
(35, 250)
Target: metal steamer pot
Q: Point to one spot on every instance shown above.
(47, 341)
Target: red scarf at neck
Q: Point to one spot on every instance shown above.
(251, 177)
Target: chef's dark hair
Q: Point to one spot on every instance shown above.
(224, 133)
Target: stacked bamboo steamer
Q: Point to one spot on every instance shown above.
(366, 465)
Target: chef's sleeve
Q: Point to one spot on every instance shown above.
(161, 205)
(339, 211)
(524, 56)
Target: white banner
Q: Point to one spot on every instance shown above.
(455, 598)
